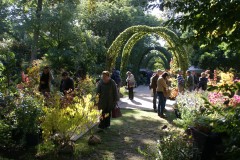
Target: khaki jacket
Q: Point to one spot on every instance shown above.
(130, 81)
(163, 87)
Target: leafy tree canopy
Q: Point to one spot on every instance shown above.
(212, 22)
(68, 34)
(110, 19)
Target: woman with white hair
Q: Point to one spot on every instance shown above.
(203, 80)
(131, 84)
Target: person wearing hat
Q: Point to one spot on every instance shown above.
(130, 84)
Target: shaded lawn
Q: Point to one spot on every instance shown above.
(129, 137)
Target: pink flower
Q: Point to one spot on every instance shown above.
(216, 98)
(235, 100)
(237, 80)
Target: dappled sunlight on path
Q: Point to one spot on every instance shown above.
(142, 100)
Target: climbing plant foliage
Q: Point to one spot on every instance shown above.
(153, 62)
(140, 58)
(161, 50)
(152, 55)
(128, 38)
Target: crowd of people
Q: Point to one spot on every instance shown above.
(108, 88)
(192, 81)
(160, 85)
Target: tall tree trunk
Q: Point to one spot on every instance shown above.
(36, 31)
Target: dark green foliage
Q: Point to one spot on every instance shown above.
(8, 68)
(5, 134)
(110, 19)
(174, 146)
(216, 57)
(19, 119)
(216, 20)
(157, 55)
(27, 115)
(68, 33)
(212, 25)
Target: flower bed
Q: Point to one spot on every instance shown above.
(213, 113)
(28, 118)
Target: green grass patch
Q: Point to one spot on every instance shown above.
(127, 138)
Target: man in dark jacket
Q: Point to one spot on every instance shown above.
(189, 81)
(108, 97)
(195, 79)
(67, 84)
(45, 80)
(153, 86)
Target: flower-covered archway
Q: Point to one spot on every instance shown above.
(162, 51)
(150, 56)
(128, 38)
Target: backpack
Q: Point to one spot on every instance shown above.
(116, 77)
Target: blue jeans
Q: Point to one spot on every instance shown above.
(155, 100)
(161, 103)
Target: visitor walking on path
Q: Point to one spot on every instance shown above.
(67, 83)
(45, 80)
(180, 81)
(130, 84)
(189, 81)
(153, 86)
(162, 92)
(108, 97)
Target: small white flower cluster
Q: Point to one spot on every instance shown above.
(191, 100)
